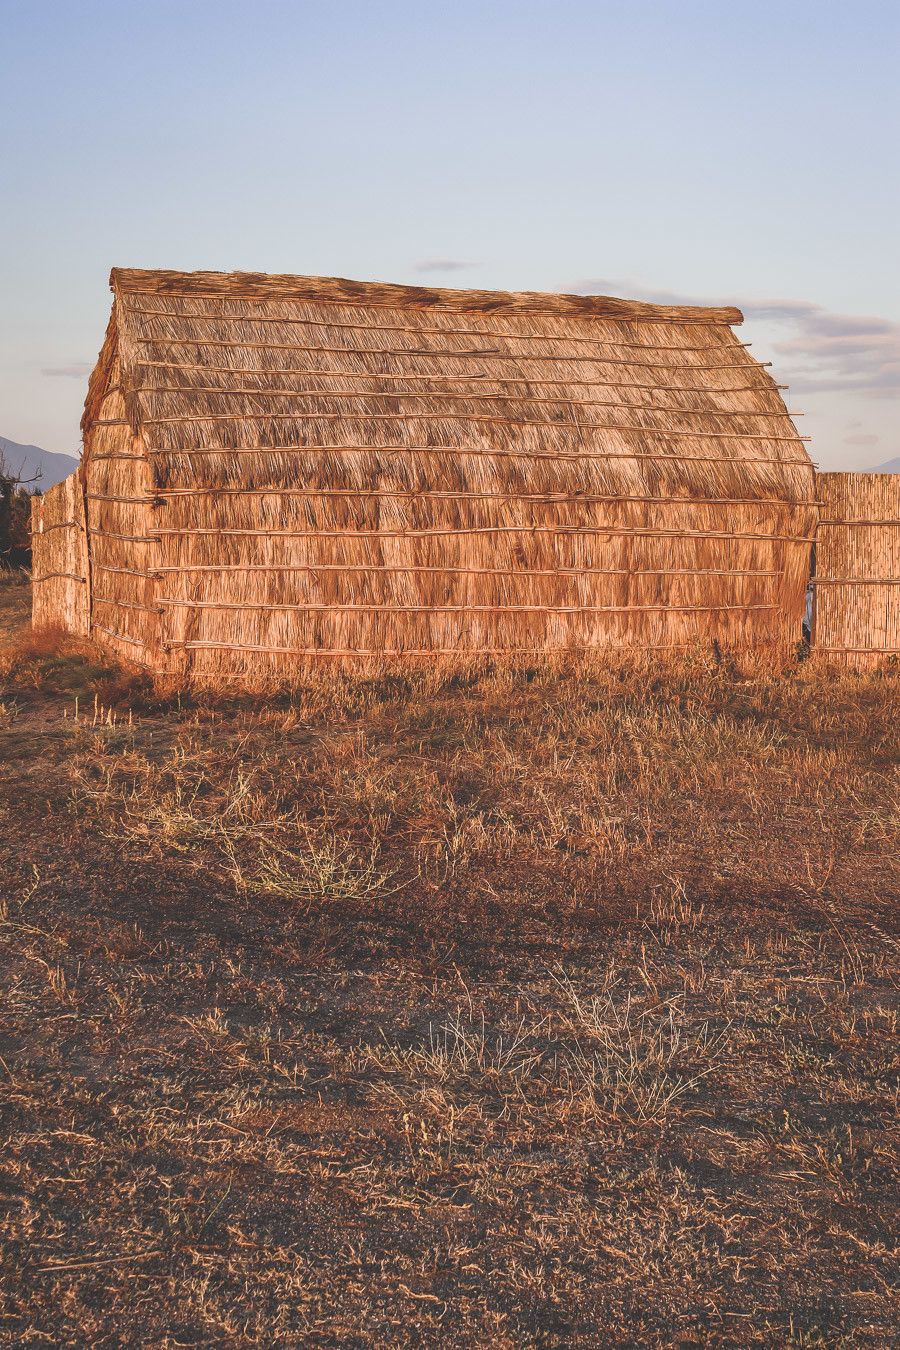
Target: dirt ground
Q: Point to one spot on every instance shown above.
(536, 1010)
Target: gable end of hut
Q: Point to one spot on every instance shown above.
(119, 504)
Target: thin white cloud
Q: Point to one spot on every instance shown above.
(861, 440)
(76, 371)
(628, 288)
(442, 265)
(826, 352)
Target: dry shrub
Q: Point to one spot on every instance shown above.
(36, 644)
(54, 661)
(26, 658)
(14, 576)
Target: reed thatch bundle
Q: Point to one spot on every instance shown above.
(856, 618)
(282, 468)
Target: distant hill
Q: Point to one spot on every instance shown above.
(30, 461)
(892, 466)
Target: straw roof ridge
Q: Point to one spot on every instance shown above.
(340, 290)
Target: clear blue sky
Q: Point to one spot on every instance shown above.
(721, 151)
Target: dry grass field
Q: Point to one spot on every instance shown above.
(534, 1010)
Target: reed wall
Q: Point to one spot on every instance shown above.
(856, 617)
(59, 555)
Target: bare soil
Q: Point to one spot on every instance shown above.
(535, 1010)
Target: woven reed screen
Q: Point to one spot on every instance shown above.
(856, 616)
(60, 558)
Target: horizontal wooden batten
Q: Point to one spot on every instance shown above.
(473, 652)
(855, 581)
(190, 391)
(122, 571)
(748, 367)
(850, 524)
(455, 609)
(125, 501)
(49, 576)
(562, 530)
(483, 451)
(463, 377)
(558, 529)
(414, 494)
(120, 637)
(326, 321)
(126, 538)
(369, 568)
(60, 525)
(459, 417)
(125, 604)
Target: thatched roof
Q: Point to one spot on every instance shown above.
(265, 356)
(444, 433)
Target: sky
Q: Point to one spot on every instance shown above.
(709, 152)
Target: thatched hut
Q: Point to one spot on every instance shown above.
(284, 469)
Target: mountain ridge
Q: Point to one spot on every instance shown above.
(31, 462)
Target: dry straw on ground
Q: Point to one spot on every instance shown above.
(550, 1011)
(285, 469)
